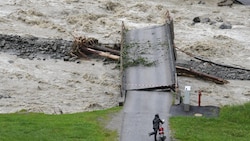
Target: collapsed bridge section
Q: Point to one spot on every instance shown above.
(148, 58)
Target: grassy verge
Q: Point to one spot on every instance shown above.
(87, 126)
(233, 124)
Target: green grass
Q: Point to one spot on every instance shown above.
(233, 124)
(87, 126)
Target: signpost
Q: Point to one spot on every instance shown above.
(186, 101)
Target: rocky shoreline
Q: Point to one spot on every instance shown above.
(35, 48)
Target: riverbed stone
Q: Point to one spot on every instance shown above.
(225, 25)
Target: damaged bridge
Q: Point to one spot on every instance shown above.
(148, 77)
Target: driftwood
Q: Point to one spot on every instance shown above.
(102, 48)
(104, 54)
(189, 72)
(80, 45)
(83, 46)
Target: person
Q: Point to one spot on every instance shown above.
(156, 123)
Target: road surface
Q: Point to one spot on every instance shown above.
(139, 110)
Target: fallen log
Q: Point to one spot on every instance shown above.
(104, 54)
(102, 48)
(189, 72)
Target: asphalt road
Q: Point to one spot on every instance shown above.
(139, 110)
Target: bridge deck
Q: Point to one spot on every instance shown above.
(149, 58)
(151, 46)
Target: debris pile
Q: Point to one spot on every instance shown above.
(83, 47)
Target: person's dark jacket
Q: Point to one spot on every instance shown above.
(156, 122)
